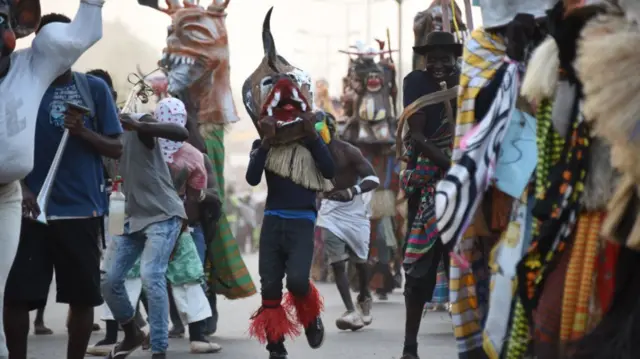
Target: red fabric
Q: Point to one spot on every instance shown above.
(307, 309)
(606, 274)
(271, 323)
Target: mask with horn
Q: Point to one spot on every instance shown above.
(277, 91)
(280, 92)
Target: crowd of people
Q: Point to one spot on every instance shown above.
(522, 257)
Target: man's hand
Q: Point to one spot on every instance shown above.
(268, 127)
(30, 206)
(128, 122)
(74, 121)
(343, 195)
(309, 124)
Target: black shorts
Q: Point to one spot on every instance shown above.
(420, 277)
(71, 247)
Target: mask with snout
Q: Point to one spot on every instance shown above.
(277, 92)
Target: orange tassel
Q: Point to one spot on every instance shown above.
(271, 324)
(307, 309)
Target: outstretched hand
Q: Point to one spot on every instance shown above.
(128, 122)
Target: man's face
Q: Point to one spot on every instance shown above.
(440, 63)
(7, 36)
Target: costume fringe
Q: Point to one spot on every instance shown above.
(271, 323)
(294, 161)
(307, 309)
(607, 66)
(616, 337)
(541, 77)
(578, 285)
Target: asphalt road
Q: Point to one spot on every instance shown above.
(382, 339)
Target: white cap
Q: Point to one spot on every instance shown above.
(497, 13)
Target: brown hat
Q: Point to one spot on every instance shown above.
(439, 40)
(25, 15)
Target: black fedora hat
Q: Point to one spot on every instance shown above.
(439, 40)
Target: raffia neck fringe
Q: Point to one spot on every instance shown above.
(541, 77)
(294, 161)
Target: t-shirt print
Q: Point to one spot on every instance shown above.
(58, 104)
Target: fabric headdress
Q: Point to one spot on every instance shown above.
(170, 110)
(496, 13)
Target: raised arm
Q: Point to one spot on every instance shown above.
(58, 45)
(105, 138)
(257, 160)
(369, 180)
(148, 129)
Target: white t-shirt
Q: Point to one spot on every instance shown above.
(54, 50)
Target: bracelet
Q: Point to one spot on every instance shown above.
(203, 195)
(98, 3)
(358, 189)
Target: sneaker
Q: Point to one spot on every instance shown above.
(364, 307)
(409, 356)
(159, 356)
(41, 329)
(95, 327)
(277, 351)
(350, 321)
(127, 346)
(197, 347)
(315, 333)
(383, 296)
(278, 355)
(101, 348)
(175, 332)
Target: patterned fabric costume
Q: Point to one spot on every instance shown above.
(469, 278)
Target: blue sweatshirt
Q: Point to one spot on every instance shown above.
(282, 193)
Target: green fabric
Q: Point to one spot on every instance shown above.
(135, 271)
(226, 272)
(185, 266)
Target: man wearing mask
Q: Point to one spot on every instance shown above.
(24, 78)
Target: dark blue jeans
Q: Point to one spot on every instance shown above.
(286, 248)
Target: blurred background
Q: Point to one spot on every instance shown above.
(308, 33)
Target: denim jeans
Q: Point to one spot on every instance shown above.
(153, 246)
(198, 239)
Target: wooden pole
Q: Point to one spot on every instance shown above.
(446, 22)
(468, 14)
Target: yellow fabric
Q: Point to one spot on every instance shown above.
(579, 282)
(482, 56)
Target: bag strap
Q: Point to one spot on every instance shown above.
(82, 83)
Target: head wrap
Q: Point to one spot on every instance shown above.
(170, 110)
(496, 13)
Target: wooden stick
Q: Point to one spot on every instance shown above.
(446, 22)
(469, 14)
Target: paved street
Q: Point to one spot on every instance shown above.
(383, 339)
